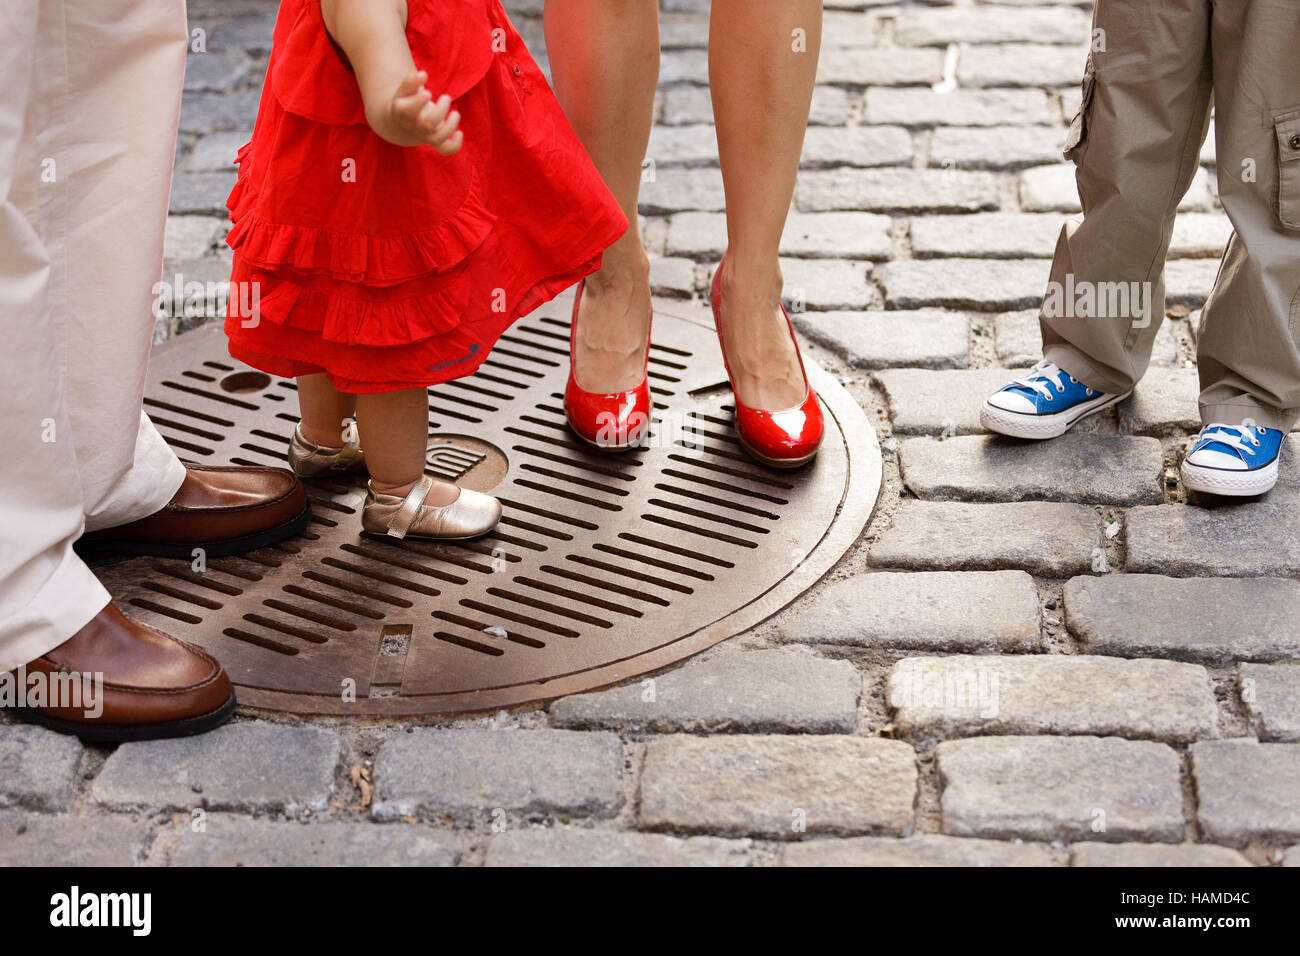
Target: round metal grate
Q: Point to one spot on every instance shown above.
(604, 566)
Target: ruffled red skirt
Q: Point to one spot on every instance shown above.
(390, 267)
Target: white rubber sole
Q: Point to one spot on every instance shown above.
(1232, 484)
(1018, 425)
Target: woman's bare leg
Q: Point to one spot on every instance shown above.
(604, 58)
(394, 429)
(323, 408)
(762, 67)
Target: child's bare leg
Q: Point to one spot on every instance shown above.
(323, 409)
(394, 428)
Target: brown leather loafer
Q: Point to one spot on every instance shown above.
(221, 509)
(147, 684)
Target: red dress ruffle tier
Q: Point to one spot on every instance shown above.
(390, 267)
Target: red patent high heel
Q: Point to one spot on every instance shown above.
(781, 439)
(610, 421)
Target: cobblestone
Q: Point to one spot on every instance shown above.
(970, 611)
(1075, 467)
(742, 691)
(241, 842)
(943, 535)
(941, 697)
(778, 787)
(1061, 788)
(881, 339)
(572, 846)
(476, 774)
(1195, 619)
(924, 850)
(37, 767)
(1271, 693)
(1247, 791)
(251, 765)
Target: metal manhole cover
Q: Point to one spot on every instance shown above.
(604, 566)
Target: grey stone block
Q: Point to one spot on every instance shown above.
(1271, 693)
(1078, 467)
(250, 765)
(973, 611)
(1247, 791)
(1052, 694)
(942, 535)
(1193, 619)
(737, 691)
(33, 839)
(231, 841)
(927, 849)
(778, 787)
(38, 767)
(931, 338)
(925, 402)
(479, 774)
(1154, 854)
(1258, 538)
(1061, 788)
(574, 846)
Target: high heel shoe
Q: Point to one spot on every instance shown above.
(781, 439)
(472, 514)
(610, 421)
(309, 460)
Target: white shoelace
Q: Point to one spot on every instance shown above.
(1042, 378)
(1236, 437)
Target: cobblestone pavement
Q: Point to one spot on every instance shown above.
(1035, 654)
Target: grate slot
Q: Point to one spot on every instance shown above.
(380, 576)
(716, 502)
(553, 516)
(176, 615)
(263, 642)
(724, 486)
(328, 599)
(604, 585)
(578, 596)
(286, 628)
(629, 573)
(540, 605)
(703, 532)
(373, 594)
(519, 617)
(707, 516)
(479, 627)
(674, 549)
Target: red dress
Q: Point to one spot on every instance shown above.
(391, 267)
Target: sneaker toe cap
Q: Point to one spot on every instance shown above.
(1209, 458)
(1013, 402)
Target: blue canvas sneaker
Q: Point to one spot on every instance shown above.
(1043, 404)
(1236, 460)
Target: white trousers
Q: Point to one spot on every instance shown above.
(89, 104)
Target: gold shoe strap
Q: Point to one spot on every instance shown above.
(401, 522)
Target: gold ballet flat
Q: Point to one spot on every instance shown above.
(469, 516)
(309, 460)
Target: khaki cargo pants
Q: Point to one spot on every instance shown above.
(1155, 69)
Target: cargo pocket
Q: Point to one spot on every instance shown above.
(1078, 134)
(1288, 168)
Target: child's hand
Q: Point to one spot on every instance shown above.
(421, 119)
